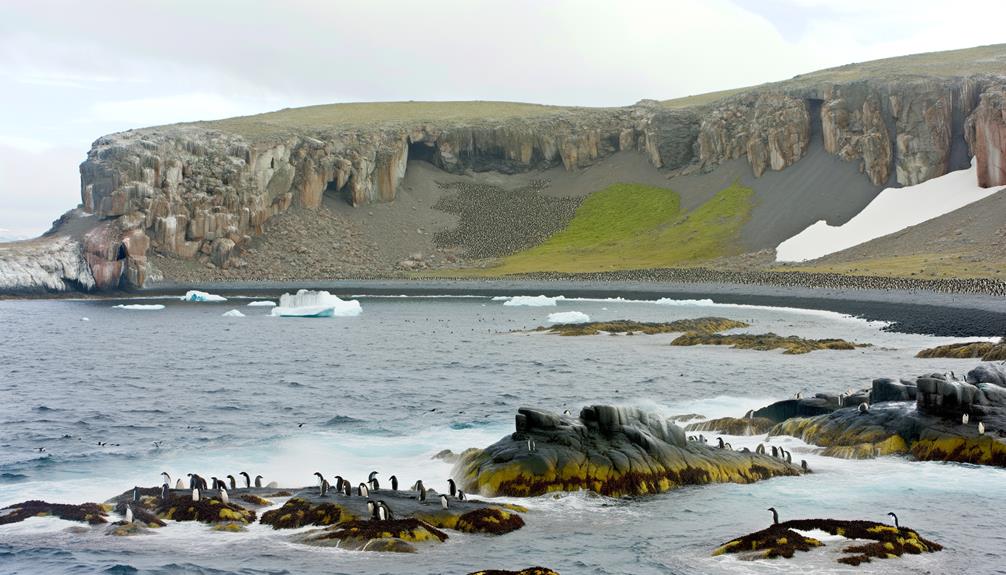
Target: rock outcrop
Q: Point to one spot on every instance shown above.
(203, 190)
(609, 450)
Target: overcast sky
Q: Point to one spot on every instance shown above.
(72, 71)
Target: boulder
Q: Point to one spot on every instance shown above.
(886, 389)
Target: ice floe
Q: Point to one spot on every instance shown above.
(201, 296)
(140, 306)
(568, 317)
(531, 301)
(233, 313)
(308, 303)
(263, 303)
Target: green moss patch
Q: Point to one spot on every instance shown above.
(793, 345)
(299, 512)
(699, 325)
(92, 513)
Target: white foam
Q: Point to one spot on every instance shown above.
(568, 317)
(233, 313)
(201, 296)
(893, 210)
(531, 301)
(140, 306)
(264, 303)
(308, 303)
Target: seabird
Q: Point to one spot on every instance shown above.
(775, 515)
(895, 520)
(362, 490)
(789, 458)
(749, 414)
(530, 445)
(247, 479)
(453, 487)
(324, 488)
(192, 481)
(164, 492)
(964, 419)
(338, 483)
(745, 450)
(347, 489)
(372, 481)
(760, 449)
(179, 484)
(320, 477)
(167, 478)
(461, 495)
(233, 482)
(195, 494)
(981, 428)
(728, 446)
(394, 483)
(803, 465)
(775, 451)
(136, 494)
(372, 508)
(383, 511)
(215, 483)
(223, 495)
(129, 514)
(864, 408)
(719, 442)
(421, 489)
(443, 500)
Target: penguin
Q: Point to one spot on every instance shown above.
(338, 483)
(841, 400)
(347, 489)
(803, 465)
(164, 492)
(749, 414)
(964, 419)
(166, 477)
(372, 477)
(383, 511)
(394, 483)
(136, 494)
(895, 520)
(223, 495)
(728, 446)
(789, 457)
(258, 481)
(775, 451)
(320, 477)
(719, 442)
(179, 484)
(233, 482)
(421, 489)
(129, 514)
(371, 509)
(215, 483)
(760, 449)
(192, 481)
(362, 490)
(374, 485)
(247, 479)
(202, 482)
(324, 488)
(864, 408)
(702, 438)
(775, 515)
(981, 428)
(453, 487)
(443, 501)
(195, 494)
(461, 495)
(531, 446)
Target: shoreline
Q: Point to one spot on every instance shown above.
(916, 311)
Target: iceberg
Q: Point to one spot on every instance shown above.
(568, 317)
(199, 296)
(264, 303)
(532, 301)
(308, 303)
(233, 313)
(140, 306)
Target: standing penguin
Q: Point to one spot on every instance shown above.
(362, 490)
(372, 481)
(247, 479)
(233, 482)
(258, 481)
(338, 483)
(372, 509)
(383, 511)
(223, 495)
(421, 489)
(129, 514)
(165, 477)
(461, 495)
(895, 520)
(443, 501)
(775, 515)
(165, 490)
(195, 494)
(453, 487)
(179, 484)
(394, 483)
(136, 494)
(324, 488)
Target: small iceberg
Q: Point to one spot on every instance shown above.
(263, 303)
(532, 301)
(233, 313)
(140, 306)
(568, 317)
(308, 303)
(200, 296)
(85, 319)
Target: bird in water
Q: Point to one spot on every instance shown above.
(864, 408)
(394, 483)
(981, 428)
(129, 514)
(775, 515)
(453, 488)
(258, 481)
(247, 479)
(443, 501)
(895, 517)
(223, 495)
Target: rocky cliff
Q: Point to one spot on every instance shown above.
(205, 189)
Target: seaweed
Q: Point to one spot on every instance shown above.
(92, 513)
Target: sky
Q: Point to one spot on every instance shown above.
(73, 71)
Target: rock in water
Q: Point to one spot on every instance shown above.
(611, 450)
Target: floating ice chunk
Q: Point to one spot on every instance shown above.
(307, 303)
(671, 301)
(233, 313)
(85, 319)
(196, 295)
(533, 301)
(264, 303)
(140, 306)
(568, 317)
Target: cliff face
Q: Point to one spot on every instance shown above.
(204, 190)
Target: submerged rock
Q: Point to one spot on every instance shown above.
(784, 539)
(610, 450)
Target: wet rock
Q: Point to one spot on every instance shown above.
(528, 571)
(886, 389)
(398, 535)
(698, 325)
(734, 425)
(789, 408)
(92, 513)
(985, 350)
(610, 450)
(793, 345)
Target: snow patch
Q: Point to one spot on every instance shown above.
(568, 317)
(264, 303)
(531, 301)
(893, 210)
(140, 306)
(233, 313)
(308, 303)
(201, 296)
